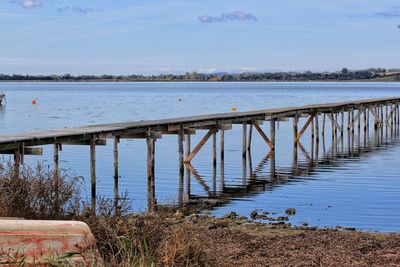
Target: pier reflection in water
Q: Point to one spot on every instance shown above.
(328, 150)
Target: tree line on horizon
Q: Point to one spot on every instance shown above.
(344, 75)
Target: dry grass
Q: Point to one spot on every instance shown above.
(169, 238)
(37, 194)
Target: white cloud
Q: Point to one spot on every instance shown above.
(237, 15)
(28, 4)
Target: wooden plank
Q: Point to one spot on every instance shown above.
(34, 151)
(10, 141)
(264, 136)
(155, 135)
(190, 131)
(98, 142)
(200, 145)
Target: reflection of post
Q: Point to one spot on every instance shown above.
(244, 139)
(222, 182)
(272, 167)
(93, 171)
(250, 166)
(244, 171)
(151, 200)
(295, 159)
(187, 169)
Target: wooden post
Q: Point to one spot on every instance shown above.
(151, 202)
(116, 174)
(365, 127)
(335, 126)
(323, 124)
(244, 139)
(214, 145)
(181, 137)
(352, 129)
(250, 137)
(312, 130)
(348, 130)
(222, 144)
(272, 132)
(295, 134)
(56, 162)
(333, 131)
(56, 177)
(93, 171)
(188, 174)
(317, 128)
(295, 130)
(342, 125)
(17, 162)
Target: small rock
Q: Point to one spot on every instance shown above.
(254, 214)
(283, 218)
(232, 215)
(290, 211)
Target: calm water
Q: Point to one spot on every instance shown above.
(358, 188)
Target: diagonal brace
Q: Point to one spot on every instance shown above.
(264, 136)
(376, 116)
(200, 144)
(300, 134)
(335, 122)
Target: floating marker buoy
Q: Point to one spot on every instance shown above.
(34, 102)
(233, 109)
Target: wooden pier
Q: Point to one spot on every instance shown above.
(344, 117)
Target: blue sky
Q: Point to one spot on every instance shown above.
(170, 36)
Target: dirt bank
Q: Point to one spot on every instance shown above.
(177, 240)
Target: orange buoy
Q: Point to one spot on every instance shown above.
(34, 102)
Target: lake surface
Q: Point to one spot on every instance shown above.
(355, 188)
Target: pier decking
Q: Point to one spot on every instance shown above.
(385, 112)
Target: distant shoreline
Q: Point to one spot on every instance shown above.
(195, 81)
